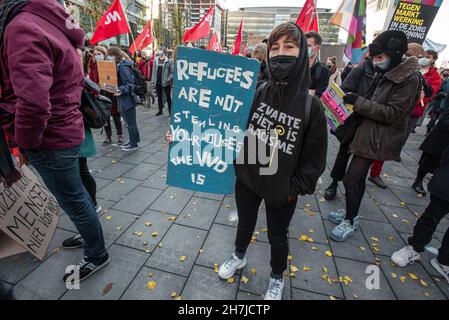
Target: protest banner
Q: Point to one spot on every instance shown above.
(414, 18)
(212, 99)
(335, 109)
(107, 73)
(29, 215)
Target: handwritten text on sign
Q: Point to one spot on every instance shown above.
(212, 98)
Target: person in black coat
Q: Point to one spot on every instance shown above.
(319, 73)
(433, 147)
(428, 222)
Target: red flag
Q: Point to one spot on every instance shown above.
(143, 40)
(214, 44)
(111, 24)
(202, 29)
(244, 49)
(308, 18)
(238, 40)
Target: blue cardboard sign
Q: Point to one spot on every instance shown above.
(212, 98)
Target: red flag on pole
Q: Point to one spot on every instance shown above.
(202, 29)
(111, 24)
(214, 44)
(308, 18)
(238, 40)
(143, 40)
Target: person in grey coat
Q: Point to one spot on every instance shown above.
(162, 79)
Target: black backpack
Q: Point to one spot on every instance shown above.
(96, 109)
(141, 86)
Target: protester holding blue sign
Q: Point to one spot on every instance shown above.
(291, 124)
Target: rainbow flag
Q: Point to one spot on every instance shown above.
(351, 16)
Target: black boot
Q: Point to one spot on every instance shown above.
(331, 191)
(418, 187)
(159, 113)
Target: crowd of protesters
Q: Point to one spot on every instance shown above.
(392, 90)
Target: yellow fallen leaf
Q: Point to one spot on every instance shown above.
(256, 233)
(148, 251)
(253, 270)
(347, 278)
(145, 243)
(332, 298)
(245, 280)
(293, 268)
(314, 248)
(423, 283)
(154, 234)
(328, 253)
(172, 219)
(325, 269)
(405, 221)
(227, 206)
(138, 233)
(311, 231)
(108, 218)
(426, 294)
(182, 258)
(362, 248)
(289, 258)
(230, 280)
(264, 229)
(178, 298)
(403, 278)
(375, 239)
(306, 269)
(310, 240)
(303, 237)
(402, 203)
(148, 224)
(201, 251)
(394, 275)
(376, 249)
(413, 276)
(150, 274)
(173, 294)
(151, 285)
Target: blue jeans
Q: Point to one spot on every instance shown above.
(130, 119)
(60, 172)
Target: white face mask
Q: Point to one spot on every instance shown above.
(382, 65)
(111, 58)
(424, 62)
(99, 57)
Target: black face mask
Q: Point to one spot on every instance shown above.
(282, 66)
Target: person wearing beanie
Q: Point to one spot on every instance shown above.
(385, 110)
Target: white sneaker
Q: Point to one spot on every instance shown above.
(405, 256)
(442, 269)
(275, 289)
(228, 269)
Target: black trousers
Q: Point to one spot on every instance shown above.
(341, 162)
(426, 226)
(355, 184)
(278, 221)
(118, 126)
(88, 181)
(160, 93)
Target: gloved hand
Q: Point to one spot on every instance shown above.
(350, 98)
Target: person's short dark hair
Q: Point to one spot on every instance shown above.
(433, 53)
(265, 41)
(315, 35)
(290, 30)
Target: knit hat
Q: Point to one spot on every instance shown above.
(415, 50)
(393, 43)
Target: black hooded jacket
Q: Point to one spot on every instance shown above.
(301, 148)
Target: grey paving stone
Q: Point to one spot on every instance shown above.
(307, 201)
(211, 196)
(141, 172)
(157, 181)
(101, 183)
(303, 223)
(409, 196)
(307, 295)
(116, 225)
(383, 197)
(172, 200)
(101, 163)
(178, 241)
(136, 157)
(199, 213)
(356, 288)
(370, 211)
(14, 268)
(329, 206)
(160, 158)
(117, 189)
(204, 284)
(166, 283)
(105, 204)
(114, 171)
(304, 256)
(218, 247)
(124, 265)
(389, 240)
(138, 200)
(356, 247)
(258, 256)
(410, 289)
(147, 224)
(402, 219)
(32, 287)
(242, 295)
(227, 214)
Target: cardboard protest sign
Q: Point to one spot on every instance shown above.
(29, 215)
(107, 73)
(414, 19)
(212, 99)
(335, 109)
